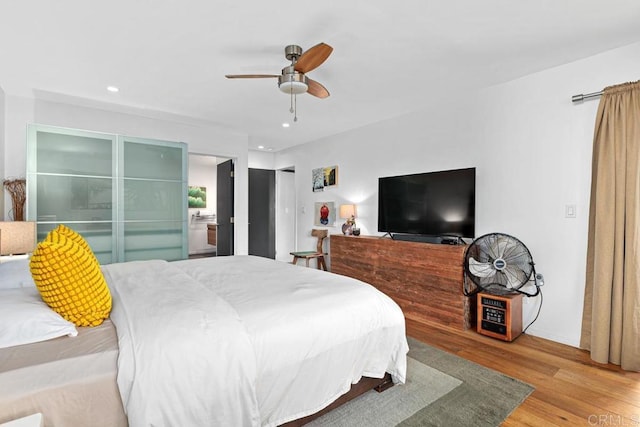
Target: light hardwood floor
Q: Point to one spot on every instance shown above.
(570, 389)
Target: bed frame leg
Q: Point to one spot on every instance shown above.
(385, 384)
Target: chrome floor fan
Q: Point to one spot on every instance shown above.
(498, 263)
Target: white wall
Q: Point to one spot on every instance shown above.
(532, 150)
(18, 112)
(4, 159)
(261, 160)
(202, 138)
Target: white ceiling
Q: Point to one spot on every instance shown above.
(389, 58)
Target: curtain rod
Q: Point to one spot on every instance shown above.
(581, 97)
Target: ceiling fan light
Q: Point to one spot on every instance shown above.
(293, 83)
(293, 87)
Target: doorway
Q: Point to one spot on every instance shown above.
(206, 205)
(272, 213)
(285, 213)
(262, 213)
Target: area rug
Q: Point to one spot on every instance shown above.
(441, 390)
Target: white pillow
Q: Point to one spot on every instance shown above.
(25, 318)
(15, 273)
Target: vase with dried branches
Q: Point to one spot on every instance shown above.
(17, 189)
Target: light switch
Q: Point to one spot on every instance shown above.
(570, 211)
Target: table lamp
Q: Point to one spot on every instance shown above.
(348, 212)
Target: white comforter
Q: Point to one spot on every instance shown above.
(245, 341)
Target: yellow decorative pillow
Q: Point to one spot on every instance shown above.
(63, 230)
(70, 281)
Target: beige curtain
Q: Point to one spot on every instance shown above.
(611, 316)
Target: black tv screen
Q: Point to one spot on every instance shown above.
(432, 204)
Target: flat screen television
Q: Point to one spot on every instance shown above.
(439, 204)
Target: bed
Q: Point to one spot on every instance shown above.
(237, 340)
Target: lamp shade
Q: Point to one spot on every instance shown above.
(17, 237)
(347, 211)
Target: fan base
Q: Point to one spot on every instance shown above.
(292, 52)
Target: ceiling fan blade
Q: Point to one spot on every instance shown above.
(250, 76)
(316, 89)
(313, 58)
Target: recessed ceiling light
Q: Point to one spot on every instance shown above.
(261, 147)
(285, 125)
(112, 89)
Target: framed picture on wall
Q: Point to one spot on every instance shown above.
(330, 176)
(197, 197)
(324, 177)
(324, 214)
(317, 179)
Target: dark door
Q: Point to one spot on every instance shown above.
(224, 216)
(262, 213)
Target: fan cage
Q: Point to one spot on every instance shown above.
(498, 263)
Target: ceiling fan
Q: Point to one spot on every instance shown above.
(293, 79)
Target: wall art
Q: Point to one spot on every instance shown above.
(197, 197)
(324, 214)
(324, 177)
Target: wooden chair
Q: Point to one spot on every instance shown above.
(318, 254)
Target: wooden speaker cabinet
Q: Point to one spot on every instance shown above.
(500, 316)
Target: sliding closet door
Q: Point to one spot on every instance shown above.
(71, 180)
(153, 200)
(126, 196)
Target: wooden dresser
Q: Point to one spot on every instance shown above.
(425, 279)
